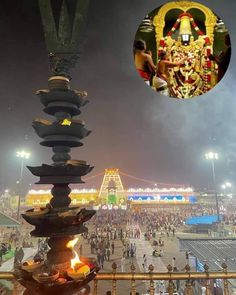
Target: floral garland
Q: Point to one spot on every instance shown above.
(176, 25)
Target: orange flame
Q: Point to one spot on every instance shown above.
(74, 261)
(72, 243)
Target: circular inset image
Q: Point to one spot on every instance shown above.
(182, 49)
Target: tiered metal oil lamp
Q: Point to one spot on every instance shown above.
(63, 271)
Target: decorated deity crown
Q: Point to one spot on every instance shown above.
(185, 24)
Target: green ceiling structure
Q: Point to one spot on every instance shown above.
(8, 221)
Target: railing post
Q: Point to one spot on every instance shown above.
(208, 287)
(95, 289)
(152, 287)
(170, 287)
(171, 277)
(188, 286)
(133, 287)
(226, 285)
(114, 267)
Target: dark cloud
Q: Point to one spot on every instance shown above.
(134, 129)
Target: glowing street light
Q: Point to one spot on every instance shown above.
(212, 156)
(226, 185)
(23, 154)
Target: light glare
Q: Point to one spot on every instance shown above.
(212, 156)
(23, 154)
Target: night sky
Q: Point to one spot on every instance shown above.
(134, 129)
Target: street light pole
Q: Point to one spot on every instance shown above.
(227, 188)
(22, 155)
(215, 189)
(214, 156)
(21, 169)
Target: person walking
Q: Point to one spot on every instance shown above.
(128, 250)
(134, 247)
(19, 255)
(108, 254)
(122, 264)
(102, 259)
(144, 263)
(112, 248)
(132, 252)
(177, 282)
(92, 247)
(99, 258)
(80, 250)
(173, 262)
(203, 290)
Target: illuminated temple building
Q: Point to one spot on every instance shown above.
(112, 194)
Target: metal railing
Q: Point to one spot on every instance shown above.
(206, 278)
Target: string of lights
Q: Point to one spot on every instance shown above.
(139, 179)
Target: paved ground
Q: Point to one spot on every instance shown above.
(122, 286)
(143, 247)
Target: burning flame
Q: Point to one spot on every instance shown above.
(74, 261)
(72, 243)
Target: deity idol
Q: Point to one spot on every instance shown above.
(198, 74)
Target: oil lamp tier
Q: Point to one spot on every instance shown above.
(71, 172)
(58, 222)
(65, 133)
(60, 100)
(46, 281)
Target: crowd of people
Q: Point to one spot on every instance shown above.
(113, 236)
(105, 228)
(163, 223)
(129, 249)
